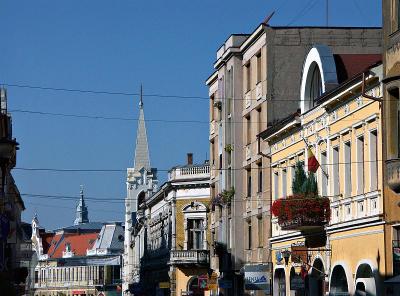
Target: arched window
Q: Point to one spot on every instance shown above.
(141, 198)
(313, 86)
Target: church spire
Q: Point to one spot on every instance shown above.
(82, 215)
(142, 159)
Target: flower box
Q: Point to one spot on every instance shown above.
(302, 212)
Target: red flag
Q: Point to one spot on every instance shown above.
(313, 163)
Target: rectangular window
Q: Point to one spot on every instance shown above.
(360, 165)
(276, 185)
(258, 67)
(36, 276)
(373, 160)
(259, 121)
(324, 177)
(348, 211)
(260, 177)
(394, 97)
(249, 183)
(195, 234)
(248, 130)
(335, 171)
(212, 108)
(347, 169)
(248, 76)
(249, 236)
(291, 176)
(360, 207)
(260, 232)
(229, 233)
(284, 183)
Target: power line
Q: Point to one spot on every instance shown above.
(61, 170)
(120, 93)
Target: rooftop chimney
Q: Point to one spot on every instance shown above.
(190, 158)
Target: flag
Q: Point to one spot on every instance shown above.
(313, 163)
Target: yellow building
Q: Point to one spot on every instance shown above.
(170, 234)
(342, 128)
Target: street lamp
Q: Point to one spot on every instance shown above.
(286, 255)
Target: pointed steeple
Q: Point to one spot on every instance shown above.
(142, 159)
(82, 215)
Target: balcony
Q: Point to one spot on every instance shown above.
(393, 174)
(302, 213)
(189, 257)
(212, 128)
(190, 172)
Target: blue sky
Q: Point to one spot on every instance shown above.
(169, 46)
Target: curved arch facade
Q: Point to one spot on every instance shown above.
(319, 57)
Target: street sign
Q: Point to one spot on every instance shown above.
(212, 282)
(258, 277)
(203, 282)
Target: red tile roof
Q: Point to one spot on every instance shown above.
(349, 65)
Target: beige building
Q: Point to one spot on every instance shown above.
(255, 84)
(391, 151)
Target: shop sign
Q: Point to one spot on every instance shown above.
(258, 277)
(296, 283)
(224, 284)
(212, 282)
(203, 282)
(164, 285)
(299, 253)
(78, 292)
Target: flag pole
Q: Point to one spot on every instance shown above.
(325, 173)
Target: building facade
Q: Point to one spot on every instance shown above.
(12, 274)
(84, 259)
(319, 245)
(141, 181)
(391, 151)
(255, 84)
(171, 234)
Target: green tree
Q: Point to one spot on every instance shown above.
(303, 184)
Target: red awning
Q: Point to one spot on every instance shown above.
(78, 292)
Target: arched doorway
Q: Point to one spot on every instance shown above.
(279, 282)
(297, 283)
(365, 281)
(339, 285)
(193, 287)
(316, 279)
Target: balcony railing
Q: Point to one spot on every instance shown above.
(190, 172)
(247, 99)
(248, 152)
(188, 257)
(259, 93)
(393, 174)
(212, 127)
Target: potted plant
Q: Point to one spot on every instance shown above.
(228, 148)
(305, 209)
